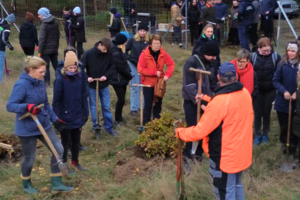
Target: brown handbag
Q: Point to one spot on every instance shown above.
(159, 89)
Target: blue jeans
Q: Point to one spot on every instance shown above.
(243, 32)
(227, 186)
(105, 107)
(2, 58)
(130, 20)
(177, 34)
(134, 91)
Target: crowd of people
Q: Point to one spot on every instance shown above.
(235, 95)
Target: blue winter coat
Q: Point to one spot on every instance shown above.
(245, 14)
(221, 10)
(28, 90)
(70, 99)
(268, 5)
(285, 80)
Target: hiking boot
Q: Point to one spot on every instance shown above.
(27, 187)
(58, 186)
(113, 133)
(256, 141)
(82, 148)
(134, 113)
(196, 158)
(264, 139)
(118, 124)
(180, 45)
(77, 166)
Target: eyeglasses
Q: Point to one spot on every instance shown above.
(242, 62)
(266, 51)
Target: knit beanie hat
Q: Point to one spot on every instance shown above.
(77, 10)
(113, 10)
(29, 16)
(11, 18)
(211, 48)
(71, 59)
(45, 12)
(143, 26)
(120, 39)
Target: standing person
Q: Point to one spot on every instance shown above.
(28, 35)
(264, 61)
(285, 83)
(200, 4)
(99, 63)
(221, 15)
(245, 14)
(245, 72)
(151, 67)
(233, 36)
(193, 18)
(206, 35)
(70, 33)
(136, 45)
(78, 25)
(227, 123)
(4, 42)
(208, 14)
(204, 60)
(130, 14)
(121, 75)
(115, 26)
(29, 92)
(177, 33)
(70, 104)
(267, 13)
(48, 40)
(253, 37)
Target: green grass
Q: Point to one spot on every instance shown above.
(262, 181)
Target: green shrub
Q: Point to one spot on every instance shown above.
(158, 137)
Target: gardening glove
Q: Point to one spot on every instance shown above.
(11, 48)
(60, 125)
(33, 109)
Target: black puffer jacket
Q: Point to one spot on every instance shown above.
(135, 48)
(49, 36)
(121, 75)
(115, 28)
(28, 35)
(194, 14)
(265, 69)
(79, 28)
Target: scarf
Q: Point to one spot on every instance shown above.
(293, 61)
(246, 76)
(71, 74)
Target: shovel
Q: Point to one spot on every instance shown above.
(97, 129)
(287, 160)
(180, 192)
(62, 166)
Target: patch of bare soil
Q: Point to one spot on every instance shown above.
(132, 162)
(10, 155)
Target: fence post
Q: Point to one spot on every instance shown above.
(186, 24)
(278, 29)
(83, 1)
(287, 20)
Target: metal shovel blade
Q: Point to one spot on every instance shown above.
(287, 164)
(64, 169)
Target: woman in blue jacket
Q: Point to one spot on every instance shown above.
(285, 83)
(29, 92)
(70, 105)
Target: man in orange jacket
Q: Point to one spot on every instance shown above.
(226, 125)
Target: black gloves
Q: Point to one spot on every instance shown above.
(60, 125)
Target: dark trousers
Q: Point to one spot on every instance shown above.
(200, 28)
(243, 36)
(71, 136)
(190, 111)
(53, 59)
(283, 123)
(71, 42)
(194, 29)
(233, 36)
(262, 112)
(177, 34)
(80, 50)
(29, 51)
(253, 37)
(148, 107)
(29, 149)
(121, 93)
(268, 26)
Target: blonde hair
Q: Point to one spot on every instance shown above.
(137, 37)
(207, 26)
(33, 62)
(122, 46)
(64, 70)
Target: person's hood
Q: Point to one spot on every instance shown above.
(77, 15)
(97, 50)
(25, 76)
(49, 20)
(28, 25)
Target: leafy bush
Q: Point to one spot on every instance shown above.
(158, 137)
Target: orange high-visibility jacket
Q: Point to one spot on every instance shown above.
(227, 121)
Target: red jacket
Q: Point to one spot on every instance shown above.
(148, 68)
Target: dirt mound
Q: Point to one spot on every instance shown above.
(132, 162)
(10, 155)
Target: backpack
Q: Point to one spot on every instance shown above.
(159, 89)
(254, 57)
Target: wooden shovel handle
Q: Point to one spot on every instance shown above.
(140, 85)
(200, 71)
(28, 114)
(5, 146)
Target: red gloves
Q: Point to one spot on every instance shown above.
(33, 109)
